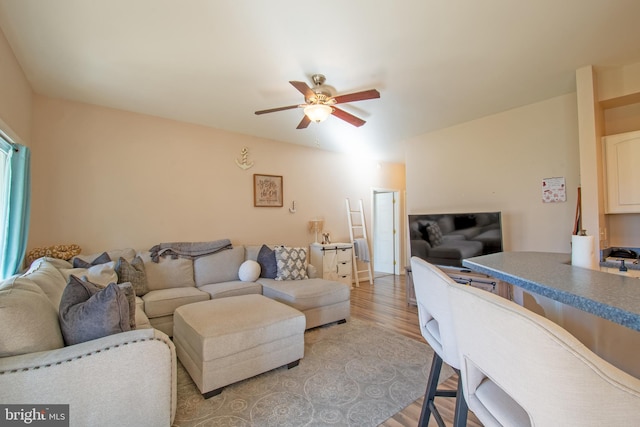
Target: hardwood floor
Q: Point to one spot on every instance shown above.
(384, 303)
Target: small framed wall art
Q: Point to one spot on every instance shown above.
(267, 191)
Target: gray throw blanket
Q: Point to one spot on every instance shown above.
(189, 250)
(361, 250)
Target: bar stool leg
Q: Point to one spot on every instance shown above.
(430, 393)
(429, 406)
(461, 410)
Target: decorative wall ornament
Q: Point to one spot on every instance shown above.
(267, 190)
(243, 163)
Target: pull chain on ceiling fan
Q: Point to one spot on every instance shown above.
(320, 104)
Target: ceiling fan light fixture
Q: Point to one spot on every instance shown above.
(318, 112)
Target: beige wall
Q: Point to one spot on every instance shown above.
(497, 163)
(105, 178)
(16, 96)
(614, 82)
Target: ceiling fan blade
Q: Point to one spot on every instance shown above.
(358, 96)
(348, 117)
(304, 89)
(304, 122)
(273, 110)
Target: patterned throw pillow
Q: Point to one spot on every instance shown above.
(134, 273)
(65, 252)
(291, 263)
(435, 234)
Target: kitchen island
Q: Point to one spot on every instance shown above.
(612, 297)
(601, 309)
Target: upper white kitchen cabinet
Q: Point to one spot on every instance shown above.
(622, 172)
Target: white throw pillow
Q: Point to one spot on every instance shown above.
(249, 271)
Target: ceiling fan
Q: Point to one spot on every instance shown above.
(320, 103)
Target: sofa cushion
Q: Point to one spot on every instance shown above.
(456, 249)
(306, 294)
(142, 321)
(467, 233)
(45, 272)
(163, 302)
(446, 224)
(231, 289)
(291, 262)
(133, 272)
(219, 267)
(28, 320)
(99, 274)
(249, 271)
(88, 312)
(103, 258)
(267, 261)
(168, 272)
(251, 252)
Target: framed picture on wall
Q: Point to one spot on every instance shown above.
(267, 191)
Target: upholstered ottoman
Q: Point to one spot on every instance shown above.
(322, 301)
(226, 340)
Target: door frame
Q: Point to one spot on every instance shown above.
(398, 225)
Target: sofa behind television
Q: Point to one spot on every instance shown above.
(447, 239)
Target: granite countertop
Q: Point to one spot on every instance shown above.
(610, 296)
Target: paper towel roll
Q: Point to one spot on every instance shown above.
(583, 252)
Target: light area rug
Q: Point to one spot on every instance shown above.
(353, 374)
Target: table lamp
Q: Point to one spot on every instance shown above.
(315, 225)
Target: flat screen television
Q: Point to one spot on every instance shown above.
(446, 239)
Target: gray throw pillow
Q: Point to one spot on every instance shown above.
(102, 259)
(267, 261)
(127, 288)
(88, 312)
(133, 272)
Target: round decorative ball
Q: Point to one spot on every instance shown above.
(249, 271)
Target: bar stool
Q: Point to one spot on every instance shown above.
(436, 325)
(521, 369)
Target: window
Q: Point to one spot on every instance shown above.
(5, 148)
(15, 198)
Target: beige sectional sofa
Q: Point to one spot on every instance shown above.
(176, 282)
(129, 376)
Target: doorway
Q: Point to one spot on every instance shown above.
(386, 232)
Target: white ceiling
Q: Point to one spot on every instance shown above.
(436, 63)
